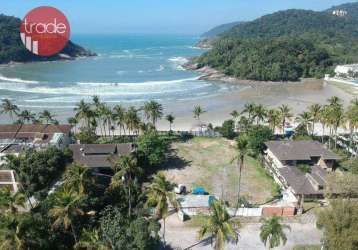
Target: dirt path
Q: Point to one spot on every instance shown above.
(181, 236)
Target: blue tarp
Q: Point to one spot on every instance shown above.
(211, 199)
(198, 190)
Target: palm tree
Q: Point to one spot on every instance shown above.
(159, 193)
(335, 115)
(352, 118)
(334, 101)
(220, 226)
(90, 240)
(84, 113)
(77, 178)
(250, 109)
(26, 116)
(46, 116)
(285, 112)
(73, 122)
(170, 118)
(127, 170)
(119, 117)
(198, 111)
(315, 111)
(7, 107)
(10, 202)
(244, 124)
(259, 113)
(242, 148)
(235, 114)
(132, 120)
(106, 115)
(11, 233)
(153, 111)
(66, 210)
(323, 119)
(305, 120)
(98, 115)
(273, 117)
(272, 232)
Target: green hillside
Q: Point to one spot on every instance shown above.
(219, 29)
(286, 45)
(12, 49)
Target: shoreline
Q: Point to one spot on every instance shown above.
(210, 74)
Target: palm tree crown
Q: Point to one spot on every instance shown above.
(170, 118)
(272, 232)
(7, 107)
(153, 111)
(159, 193)
(220, 226)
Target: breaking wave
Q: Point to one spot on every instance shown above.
(17, 80)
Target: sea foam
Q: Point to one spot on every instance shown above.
(17, 80)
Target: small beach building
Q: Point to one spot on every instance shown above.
(192, 205)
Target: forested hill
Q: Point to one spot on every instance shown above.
(351, 8)
(287, 45)
(219, 30)
(12, 49)
(294, 22)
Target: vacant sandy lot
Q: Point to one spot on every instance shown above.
(207, 162)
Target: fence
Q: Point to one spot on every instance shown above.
(246, 212)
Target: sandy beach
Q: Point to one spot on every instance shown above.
(298, 96)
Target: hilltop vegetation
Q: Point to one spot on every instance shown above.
(12, 49)
(219, 29)
(286, 45)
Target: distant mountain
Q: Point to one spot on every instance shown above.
(219, 29)
(351, 8)
(12, 49)
(287, 45)
(294, 22)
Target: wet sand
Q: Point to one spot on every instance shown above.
(298, 96)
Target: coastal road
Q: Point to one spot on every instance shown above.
(181, 236)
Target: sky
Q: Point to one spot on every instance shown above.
(159, 16)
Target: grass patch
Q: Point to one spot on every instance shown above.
(197, 221)
(307, 247)
(208, 163)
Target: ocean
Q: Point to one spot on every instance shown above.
(129, 69)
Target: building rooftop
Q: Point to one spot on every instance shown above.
(300, 181)
(98, 155)
(300, 150)
(31, 133)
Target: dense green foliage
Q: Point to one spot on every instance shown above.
(340, 224)
(152, 149)
(37, 170)
(257, 136)
(121, 233)
(12, 49)
(227, 130)
(286, 45)
(351, 165)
